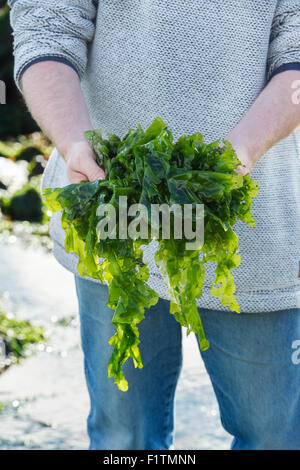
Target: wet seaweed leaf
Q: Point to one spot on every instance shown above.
(149, 168)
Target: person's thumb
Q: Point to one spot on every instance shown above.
(92, 170)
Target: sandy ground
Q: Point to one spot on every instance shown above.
(45, 398)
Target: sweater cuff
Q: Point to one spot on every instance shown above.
(51, 58)
(284, 67)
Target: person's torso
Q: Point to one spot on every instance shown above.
(200, 65)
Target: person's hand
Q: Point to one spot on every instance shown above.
(81, 163)
(244, 158)
(243, 155)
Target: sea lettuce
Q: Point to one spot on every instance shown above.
(149, 168)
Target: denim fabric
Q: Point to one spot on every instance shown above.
(255, 373)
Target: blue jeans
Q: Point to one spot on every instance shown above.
(250, 364)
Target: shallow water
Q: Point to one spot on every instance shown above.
(45, 398)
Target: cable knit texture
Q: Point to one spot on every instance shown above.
(285, 35)
(52, 28)
(199, 65)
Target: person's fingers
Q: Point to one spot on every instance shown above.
(76, 177)
(92, 170)
(242, 170)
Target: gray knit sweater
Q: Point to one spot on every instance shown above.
(199, 64)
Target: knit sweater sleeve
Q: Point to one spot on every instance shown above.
(284, 47)
(51, 30)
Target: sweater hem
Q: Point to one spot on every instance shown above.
(249, 302)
